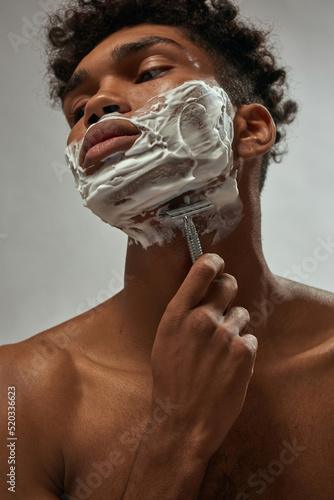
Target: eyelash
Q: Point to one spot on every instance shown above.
(73, 116)
(151, 70)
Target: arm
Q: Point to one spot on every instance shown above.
(202, 362)
(165, 469)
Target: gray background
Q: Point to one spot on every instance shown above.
(58, 259)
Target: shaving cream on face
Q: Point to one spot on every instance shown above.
(185, 147)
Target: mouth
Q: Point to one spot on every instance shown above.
(104, 139)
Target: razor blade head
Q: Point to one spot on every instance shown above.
(192, 209)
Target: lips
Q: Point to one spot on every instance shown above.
(104, 139)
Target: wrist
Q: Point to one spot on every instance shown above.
(179, 445)
(183, 441)
(166, 467)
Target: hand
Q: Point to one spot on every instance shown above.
(201, 361)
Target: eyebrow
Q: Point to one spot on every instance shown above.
(121, 52)
(74, 82)
(118, 54)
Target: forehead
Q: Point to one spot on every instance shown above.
(134, 33)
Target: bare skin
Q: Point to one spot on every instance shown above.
(168, 384)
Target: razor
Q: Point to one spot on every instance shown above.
(186, 213)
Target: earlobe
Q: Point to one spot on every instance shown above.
(254, 131)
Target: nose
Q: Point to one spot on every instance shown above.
(103, 102)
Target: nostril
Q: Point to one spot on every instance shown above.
(93, 119)
(111, 108)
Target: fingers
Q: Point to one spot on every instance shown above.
(237, 319)
(211, 292)
(197, 282)
(221, 293)
(236, 322)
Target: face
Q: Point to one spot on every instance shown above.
(149, 127)
(127, 69)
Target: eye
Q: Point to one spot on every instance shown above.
(150, 74)
(76, 115)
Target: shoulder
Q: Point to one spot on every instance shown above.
(44, 364)
(305, 320)
(43, 375)
(37, 367)
(304, 290)
(44, 352)
(31, 382)
(54, 355)
(317, 307)
(32, 362)
(308, 301)
(40, 369)
(49, 375)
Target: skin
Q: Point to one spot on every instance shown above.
(99, 375)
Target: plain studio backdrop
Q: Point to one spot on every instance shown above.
(58, 259)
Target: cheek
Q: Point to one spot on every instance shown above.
(154, 90)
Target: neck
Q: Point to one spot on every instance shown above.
(153, 276)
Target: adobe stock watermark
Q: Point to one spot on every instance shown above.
(114, 286)
(130, 440)
(29, 28)
(262, 477)
(60, 170)
(322, 252)
(262, 310)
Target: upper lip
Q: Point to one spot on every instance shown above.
(107, 129)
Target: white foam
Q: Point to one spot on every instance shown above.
(185, 146)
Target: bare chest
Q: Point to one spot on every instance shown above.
(271, 452)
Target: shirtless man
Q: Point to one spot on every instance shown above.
(204, 381)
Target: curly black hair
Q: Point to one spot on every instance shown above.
(240, 53)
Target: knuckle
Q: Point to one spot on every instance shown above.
(243, 314)
(228, 330)
(252, 343)
(171, 308)
(245, 349)
(206, 270)
(235, 322)
(230, 283)
(207, 264)
(204, 319)
(173, 313)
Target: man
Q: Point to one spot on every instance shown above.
(205, 381)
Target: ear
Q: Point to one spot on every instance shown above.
(254, 131)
